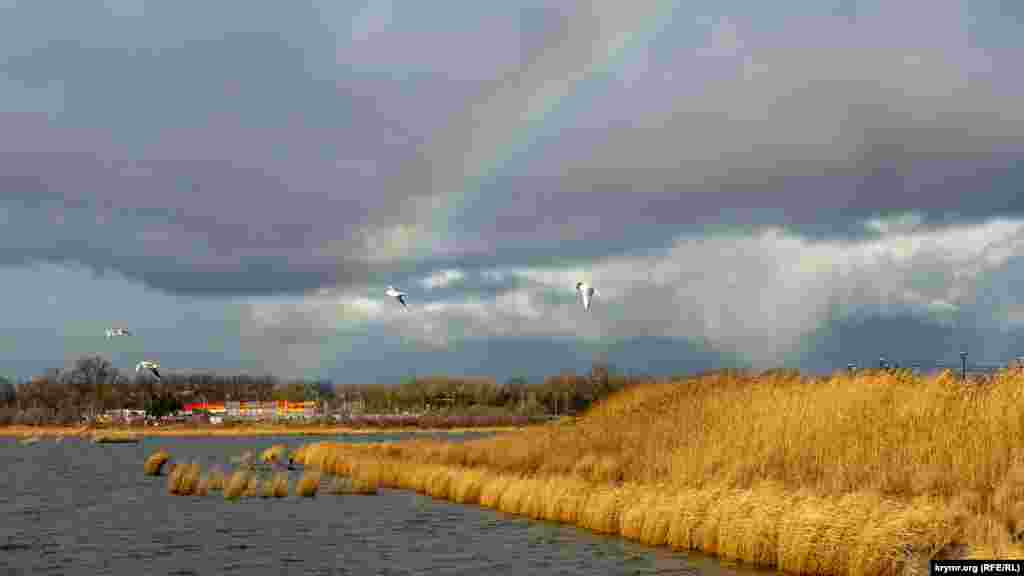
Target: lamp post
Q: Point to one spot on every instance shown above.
(963, 366)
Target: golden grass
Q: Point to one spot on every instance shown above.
(308, 484)
(273, 454)
(871, 473)
(362, 486)
(155, 463)
(184, 480)
(237, 484)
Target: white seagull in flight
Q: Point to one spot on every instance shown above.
(111, 332)
(587, 292)
(147, 365)
(397, 295)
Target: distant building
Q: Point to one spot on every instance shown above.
(255, 410)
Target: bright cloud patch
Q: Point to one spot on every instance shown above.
(757, 295)
(442, 279)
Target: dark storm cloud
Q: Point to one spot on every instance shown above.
(816, 127)
(254, 148)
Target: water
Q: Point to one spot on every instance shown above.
(76, 507)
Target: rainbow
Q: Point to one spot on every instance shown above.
(537, 116)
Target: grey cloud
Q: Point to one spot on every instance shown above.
(815, 128)
(226, 214)
(236, 160)
(215, 149)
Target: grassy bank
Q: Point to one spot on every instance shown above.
(222, 431)
(856, 474)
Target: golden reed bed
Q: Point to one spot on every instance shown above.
(869, 474)
(236, 431)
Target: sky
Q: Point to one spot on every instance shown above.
(802, 184)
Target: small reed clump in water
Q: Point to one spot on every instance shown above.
(275, 453)
(252, 488)
(203, 488)
(155, 463)
(237, 484)
(275, 487)
(215, 479)
(184, 480)
(309, 484)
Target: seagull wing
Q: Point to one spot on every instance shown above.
(155, 373)
(401, 298)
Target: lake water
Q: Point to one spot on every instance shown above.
(75, 507)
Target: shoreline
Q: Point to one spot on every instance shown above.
(764, 526)
(239, 431)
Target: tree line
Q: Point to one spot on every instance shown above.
(92, 384)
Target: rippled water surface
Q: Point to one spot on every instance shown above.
(74, 507)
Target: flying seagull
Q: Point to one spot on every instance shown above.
(587, 292)
(147, 365)
(111, 332)
(397, 295)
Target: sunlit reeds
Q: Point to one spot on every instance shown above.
(341, 485)
(215, 479)
(856, 474)
(275, 453)
(280, 485)
(155, 463)
(309, 484)
(252, 487)
(237, 484)
(184, 479)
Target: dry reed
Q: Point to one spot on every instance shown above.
(184, 479)
(237, 484)
(155, 463)
(273, 454)
(308, 484)
(275, 487)
(361, 486)
(853, 474)
(215, 479)
(252, 487)
(279, 484)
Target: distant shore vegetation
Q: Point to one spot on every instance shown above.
(92, 386)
